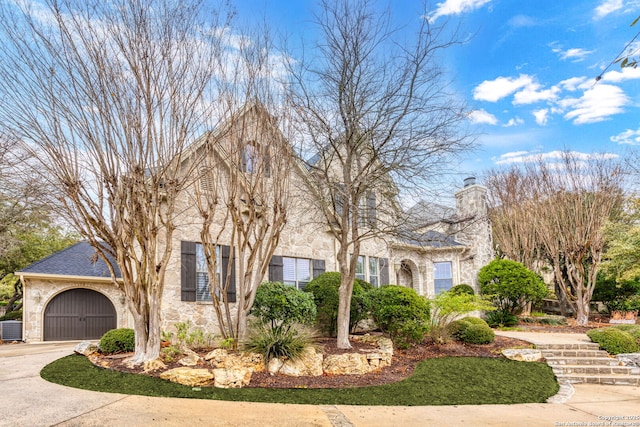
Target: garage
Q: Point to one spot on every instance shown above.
(78, 314)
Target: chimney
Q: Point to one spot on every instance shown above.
(469, 181)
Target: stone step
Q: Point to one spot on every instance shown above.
(600, 379)
(576, 346)
(574, 353)
(600, 361)
(592, 370)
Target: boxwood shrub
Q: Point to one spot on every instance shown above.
(117, 341)
(614, 341)
(325, 294)
(401, 313)
(478, 334)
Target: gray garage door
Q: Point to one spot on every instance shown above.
(78, 314)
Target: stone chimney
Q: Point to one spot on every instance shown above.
(471, 200)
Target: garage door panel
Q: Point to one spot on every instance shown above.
(78, 314)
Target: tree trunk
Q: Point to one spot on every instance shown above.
(582, 311)
(147, 335)
(344, 311)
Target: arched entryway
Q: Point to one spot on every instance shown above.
(407, 275)
(78, 314)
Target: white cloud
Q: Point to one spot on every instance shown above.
(531, 94)
(542, 116)
(532, 156)
(456, 7)
(607, 7)
(514, 122)
(628, 137)
(595, 105)
(494, 90)
(573, 54)
(576, 83)
(622, 75)
(481, 116)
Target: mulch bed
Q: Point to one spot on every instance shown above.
(403, 363)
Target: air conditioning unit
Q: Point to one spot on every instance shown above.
(11, 330)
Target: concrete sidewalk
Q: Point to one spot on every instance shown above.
(28, 400)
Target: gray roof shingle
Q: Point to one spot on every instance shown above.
(79, 259)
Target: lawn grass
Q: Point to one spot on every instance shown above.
(439, 381)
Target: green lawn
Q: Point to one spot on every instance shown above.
(439, 381)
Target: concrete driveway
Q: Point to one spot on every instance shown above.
(28, 400)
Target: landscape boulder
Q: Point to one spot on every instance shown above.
(523, 354)
(188, 376)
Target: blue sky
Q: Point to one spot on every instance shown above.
(528, 72)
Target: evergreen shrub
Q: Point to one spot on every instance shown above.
(478, 334)
(117, 341)
(401, 313)
(614, 341)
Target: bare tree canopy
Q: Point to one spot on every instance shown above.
(378, 118)
(107, 96)
(555, 215)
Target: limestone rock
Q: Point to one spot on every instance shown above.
(629, 359)
(188, 376)
(85, 348)
(274, 365)
(523, 354)
(231, 378)
(153, 365)
(221, 358)
(347, 364)
(190, 358)
(310, 363)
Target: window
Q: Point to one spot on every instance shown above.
(374, 276)
(443, 278)
(296, 271)
(203, 292)
(373, 270)
(254, 159)
(360, 272)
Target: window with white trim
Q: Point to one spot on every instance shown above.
(443, 276)
(203, 292)
(296, 271)
(374, 271)
(360, 271)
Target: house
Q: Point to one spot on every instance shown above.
(69, 295)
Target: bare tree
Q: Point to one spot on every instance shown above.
(243, 194)
(555, 214)
(511, 213)
(107, 95)
(377, 115)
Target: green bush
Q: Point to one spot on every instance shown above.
(633, 330)
(614, 341)
(462, 289)
(478, 334)
(275, 342)
(500, 318)
(279, 304)
(401, 313)
(325, 294)
(117, 341)
(456, 328)
(617, 295)
(475, 320)
(510, 285)
(447, 306)
(12, 315)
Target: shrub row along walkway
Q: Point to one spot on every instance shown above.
(29, 400)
